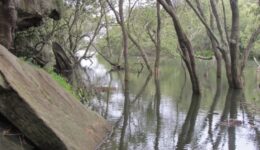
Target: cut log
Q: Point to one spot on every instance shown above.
(46, 114)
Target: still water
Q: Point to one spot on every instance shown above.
(162, 114)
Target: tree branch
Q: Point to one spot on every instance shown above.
(249, 46)
(203, 22)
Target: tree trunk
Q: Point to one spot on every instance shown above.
(226, 59)
(217, 55)
(125, 44)
(185, 46)
(214, 38)
(8, 18)
(107, 32)
(126, 85)
(216, 51)
(223, 52)
(188, 55)
(234, 46)
(158, 41)
(217, 18)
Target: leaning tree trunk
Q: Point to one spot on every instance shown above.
(214, 38)
(142, 52)
(185, 46)
(234, 46)
(216, 51)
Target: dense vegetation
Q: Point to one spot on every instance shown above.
(193, 49)
(150, 32)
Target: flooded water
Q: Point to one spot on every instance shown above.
(162, 114)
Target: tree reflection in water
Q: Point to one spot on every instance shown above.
(187, 130)
(157, 109)
(151, 121)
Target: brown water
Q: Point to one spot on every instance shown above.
(163, 114)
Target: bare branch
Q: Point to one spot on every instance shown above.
(225, 20)
(249, 46)
(93, 37)
(143, 54)
(112, 7)
(203, 22)
(216, 15)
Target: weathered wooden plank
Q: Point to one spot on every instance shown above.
(49, 116)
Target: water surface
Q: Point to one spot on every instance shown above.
(163, 114)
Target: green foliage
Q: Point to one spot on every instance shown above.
(143, 18)
(62, 82)
(79, 93)
(58, 78)
(116, 42)
(204, 53)
(250, 18)
(71, 31)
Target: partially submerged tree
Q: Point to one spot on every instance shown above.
(125, 45)
(158, 41)
(216, 51)
(121, 21)
(133, 40)
(185, 45)
(228, 45)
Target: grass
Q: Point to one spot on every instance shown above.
(58, 78)
(204, 53)
(63, 83)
